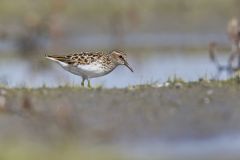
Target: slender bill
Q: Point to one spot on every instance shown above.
(127, 65)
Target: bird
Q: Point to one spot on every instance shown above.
(229, 68)
(233, 31)
(91, 64)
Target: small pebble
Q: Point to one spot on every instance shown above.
(209, 92)
(178, 85)
(206, 100)
(132, 88)
(158, 85)
(166, 84)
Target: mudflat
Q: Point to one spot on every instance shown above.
(173, 113)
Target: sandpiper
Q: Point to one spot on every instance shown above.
(233, 30)
(91, 64)
(229, 68)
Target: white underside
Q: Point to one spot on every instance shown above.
(86, 71)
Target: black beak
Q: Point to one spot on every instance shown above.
(127, 65)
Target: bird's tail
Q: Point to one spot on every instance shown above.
(54, 57)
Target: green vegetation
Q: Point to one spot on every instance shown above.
(73, 7)
(191, 15)
(29, 151)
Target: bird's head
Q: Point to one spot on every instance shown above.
(120, 58)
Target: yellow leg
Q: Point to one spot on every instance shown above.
(89, 84)
(82, 84)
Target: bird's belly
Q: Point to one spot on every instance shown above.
(88, 71)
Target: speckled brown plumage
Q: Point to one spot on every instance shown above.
(91, 64)
(82, 58)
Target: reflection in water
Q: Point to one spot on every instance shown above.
(153, 68)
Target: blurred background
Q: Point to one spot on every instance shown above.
(162, 38)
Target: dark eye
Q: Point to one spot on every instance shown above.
(121, 57)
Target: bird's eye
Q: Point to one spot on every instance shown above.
(120, 56)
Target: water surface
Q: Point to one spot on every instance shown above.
(152, 67)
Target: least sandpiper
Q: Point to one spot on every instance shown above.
(229, 68)
(233, 31)
(91, 64)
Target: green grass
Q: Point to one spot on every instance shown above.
(89, 9)
(30, 151)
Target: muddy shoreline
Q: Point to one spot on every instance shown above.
(173, 113)
(78, 117)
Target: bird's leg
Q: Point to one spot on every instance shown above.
(238, 60)
(82, 83)
(89, 84)
(231, 58)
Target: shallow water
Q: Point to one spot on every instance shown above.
(154, 67)
(219, 148)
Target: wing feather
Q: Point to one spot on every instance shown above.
(83, 58)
